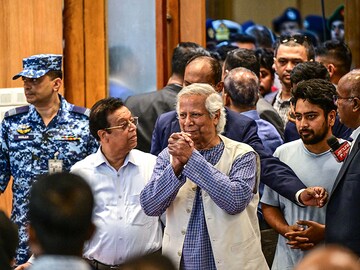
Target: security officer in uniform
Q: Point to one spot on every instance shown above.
(47, 136)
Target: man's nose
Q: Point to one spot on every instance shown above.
(188, 120)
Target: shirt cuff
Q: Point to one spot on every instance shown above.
(31, 259)
(297, 197)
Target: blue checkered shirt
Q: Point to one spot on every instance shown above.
(232, 193)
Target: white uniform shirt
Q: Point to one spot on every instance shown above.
(123, 230)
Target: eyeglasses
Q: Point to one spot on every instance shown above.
(124, 126)
(337, 97)
(300, 39)
(193, 116)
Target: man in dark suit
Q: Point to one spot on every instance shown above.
(149, 106)
(248, 59)
(238, 127)
(343, 211)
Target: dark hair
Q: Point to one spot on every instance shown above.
(242, 38)
(243, 90)
(264, 36)
(99, 113)
(224, 50)
(8, 241)
(214, 65)
(60, 211)
(266, 58)
(309, 70)
(242, 58)
(53, 74)
(296, 39)
(183, 52)
(316, 91)
(338, 53)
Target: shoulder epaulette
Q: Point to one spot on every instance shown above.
(16, 111)
(81, 110)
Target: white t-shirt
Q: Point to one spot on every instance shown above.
(313, 170)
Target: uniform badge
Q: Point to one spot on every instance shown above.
(222, 32)
(69, 138)
(23, 129)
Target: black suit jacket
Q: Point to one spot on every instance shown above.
(343, 209)
(274, 173)
(148, 107)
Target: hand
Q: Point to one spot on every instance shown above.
(293, 228)
(307, 238)
(23, 266)
(291, 114)
(314, 196)
(180, 148)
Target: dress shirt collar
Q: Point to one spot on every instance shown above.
(279, 99)
(101, 159)
(355, 133)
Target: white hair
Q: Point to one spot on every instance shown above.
(213, 102)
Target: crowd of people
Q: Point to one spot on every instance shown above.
(228, 166)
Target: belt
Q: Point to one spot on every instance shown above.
(102, 266)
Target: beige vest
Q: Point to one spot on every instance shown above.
(235, 239)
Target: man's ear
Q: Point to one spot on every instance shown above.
(219, 87)
(101, 133)
(217, 117)
(226, 99)
(356, 107)
(332, 117)
(57, 84)
(331, 69)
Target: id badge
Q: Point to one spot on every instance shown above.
(55, 166)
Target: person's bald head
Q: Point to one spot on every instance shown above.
(203, 69)
(241, 89)
(331, 257)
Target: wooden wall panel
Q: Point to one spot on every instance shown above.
(192, 21)
(85, 51)
(95, 29)
(27, 28)
(74, 63)
(162, 62)
(173, 29)
(352, 30)
(184, 21)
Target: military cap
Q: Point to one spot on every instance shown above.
(290, 15)
(37, 66)
(220, 30)
(316, 24)
(338, 15)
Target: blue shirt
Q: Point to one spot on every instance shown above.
(27, 145)
(232, 193)
(267, 133)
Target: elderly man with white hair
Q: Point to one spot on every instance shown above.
(207, 184)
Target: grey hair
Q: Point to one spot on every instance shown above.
(213, 102)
